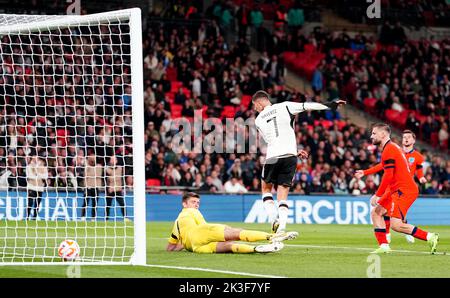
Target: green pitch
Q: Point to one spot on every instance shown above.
(319, 251)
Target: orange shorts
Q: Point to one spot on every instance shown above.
(401, 203)
(386, 200)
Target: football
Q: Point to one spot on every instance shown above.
(69, 250)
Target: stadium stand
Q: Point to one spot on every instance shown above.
(192, 66)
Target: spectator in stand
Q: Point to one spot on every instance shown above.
(445, 190)
(396, 105)
(430, 126)
(234, 185)
(443, 136)
(187, 180)
(226, 22)
(198, 182)
(412, 123)
(317, 80)
(357, 185)
(93, 182)
(37, 175)
(256, 21)
(433, 189)
(180, 97)
(275, 69)
(255, 186)
(243, 16)
(114, 174)
(328, 188)
(216, 181)
(188, 109)
(208, 186)
(371, 187)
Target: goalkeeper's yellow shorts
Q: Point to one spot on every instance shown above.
(204, 238)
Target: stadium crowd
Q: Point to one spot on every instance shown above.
(406, 83)
(218, 74)
(211, 73)
(63, 99)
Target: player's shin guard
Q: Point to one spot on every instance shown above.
(269, 206)
(419, 234)
(239, 248)
(380, 234)
(387, 222)
(283, 209)
(252, 236)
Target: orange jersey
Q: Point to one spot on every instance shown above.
(396, 171)
(415, 161)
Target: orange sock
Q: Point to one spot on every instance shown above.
(419, 234)
(387, 222)
(380, 234)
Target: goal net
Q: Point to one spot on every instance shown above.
(71, 138)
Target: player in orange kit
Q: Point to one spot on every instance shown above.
(403, 191)
(415, 160)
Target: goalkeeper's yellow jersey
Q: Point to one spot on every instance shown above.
(187, 219)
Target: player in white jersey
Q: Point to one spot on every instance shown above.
(275, 123)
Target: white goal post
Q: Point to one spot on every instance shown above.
(72, 138)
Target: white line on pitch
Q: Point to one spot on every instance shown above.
(214, 270)
(341, 247)
(359, 248)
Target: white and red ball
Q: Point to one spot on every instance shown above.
(69, 250)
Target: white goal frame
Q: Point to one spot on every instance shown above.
(133, 15)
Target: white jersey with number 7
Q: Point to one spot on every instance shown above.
(276, 125)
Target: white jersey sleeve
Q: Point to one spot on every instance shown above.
(298, 107)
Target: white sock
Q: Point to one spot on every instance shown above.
(282, 214)
(269, 206)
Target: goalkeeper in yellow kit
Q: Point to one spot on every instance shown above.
(191, 232)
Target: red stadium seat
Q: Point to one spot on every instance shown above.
(341, 124)
(397, 118)
(204, 110)
(338, 52)
(391, 115)
(245, 101)
(153, 185)
(175, 85)
(401, 119)
(171, 73)
(309, 48)
(325, 123)
(434, 139)
(187, 93)
(176, 110)
(170, 96)
(369, 104)
(61, 135)
(289, 58)
(228, 112)
(153, 182)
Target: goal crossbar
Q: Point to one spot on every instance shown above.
(57, 21)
